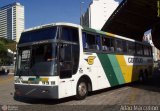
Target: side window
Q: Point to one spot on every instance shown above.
(85, 45)
(66, 34)
(105, 44)
(139, 49)
(98, 42)
(131, 48)
(70, 34)
(119, 46)
(124, 46)
(90, 41)
(112, 45)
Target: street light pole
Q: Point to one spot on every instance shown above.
(81, 21)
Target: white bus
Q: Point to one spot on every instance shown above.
(63, 59)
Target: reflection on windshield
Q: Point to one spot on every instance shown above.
(37, 60)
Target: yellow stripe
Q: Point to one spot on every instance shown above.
(130, 72)
(110, 34)
(124, 69)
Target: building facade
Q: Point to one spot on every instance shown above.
(12, 21)
(156, 52)
(98, 13)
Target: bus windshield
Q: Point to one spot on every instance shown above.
(38, 35)
(37, 60)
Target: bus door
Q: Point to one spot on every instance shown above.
(65, 69)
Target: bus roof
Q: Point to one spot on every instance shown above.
(51, 25)
(83, 28)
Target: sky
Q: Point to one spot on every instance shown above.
(39, 12)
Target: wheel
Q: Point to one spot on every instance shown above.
(82, 90)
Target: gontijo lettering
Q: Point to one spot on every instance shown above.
(135, 60)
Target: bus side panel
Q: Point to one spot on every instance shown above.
(92, 67)
(111, 68)
(130, 69)
(126, 69)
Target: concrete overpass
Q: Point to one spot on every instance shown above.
(133, 17)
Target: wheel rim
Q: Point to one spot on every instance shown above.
(82, 89)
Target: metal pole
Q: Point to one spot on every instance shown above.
(81, 21)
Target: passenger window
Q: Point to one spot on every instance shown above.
(131, 47)
(119, 47)
(91, 42)
(85, 45)
(124, 46)
(70, 34)
(139, 49)
(112, 45)
(105, 44)
(98, 42)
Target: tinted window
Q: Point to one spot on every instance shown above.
(91, 42)
(65, 61)
(98, 42)
(124, 46)
(38, 35)
(75, 57)
(70, 34)
(106, 44)
(119, 45)
(139, 49)
(112, 46)
(37, 60)
(131, 47)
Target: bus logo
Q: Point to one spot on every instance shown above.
(90, 60)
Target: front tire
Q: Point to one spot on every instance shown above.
(82, 90)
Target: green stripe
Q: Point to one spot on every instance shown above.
(112, 69)
(116, 68)
(108, 69)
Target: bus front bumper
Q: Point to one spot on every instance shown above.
(35, 91)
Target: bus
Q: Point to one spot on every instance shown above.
(63, 59)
